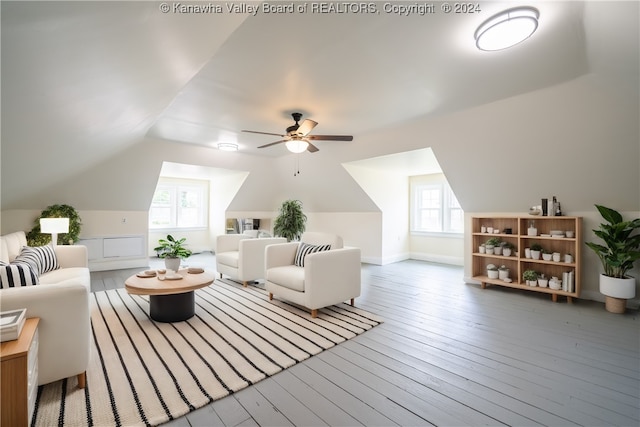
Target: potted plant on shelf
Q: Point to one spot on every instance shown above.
(492, 271)
(291, 221)
(618, 254)
(492, 246)
(546, 254)
(172, 251)
(536, 249)
(530, 277)
(507, 248)
(543, 281)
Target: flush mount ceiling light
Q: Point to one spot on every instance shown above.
(296, 145)
(506, 29)
(227, 146)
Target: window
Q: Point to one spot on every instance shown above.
(435, 208)
(179, 204)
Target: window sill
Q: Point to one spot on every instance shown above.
(444, 235)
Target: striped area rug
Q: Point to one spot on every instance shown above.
(145, 373)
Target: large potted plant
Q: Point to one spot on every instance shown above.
(36, 238)
(172, 251)
(291, 221)
(620, 250)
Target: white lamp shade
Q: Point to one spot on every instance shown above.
(54, 225)
(297, 145)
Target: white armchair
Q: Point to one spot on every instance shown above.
(241, 257)
(326, 278)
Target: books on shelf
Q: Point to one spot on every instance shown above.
(11, 323)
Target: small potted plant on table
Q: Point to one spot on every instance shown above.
(172, 251)
(530, 277)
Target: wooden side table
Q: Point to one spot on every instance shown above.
(19, 376)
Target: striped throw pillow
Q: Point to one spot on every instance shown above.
(41, 258)
(305, 249)
(14, 275)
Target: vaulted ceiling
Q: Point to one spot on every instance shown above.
(83, 82)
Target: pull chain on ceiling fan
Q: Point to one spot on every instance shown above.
(297, 136)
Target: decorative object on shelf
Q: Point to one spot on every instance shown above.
(35, 237)
(532, 230)
(543, 282)
(547, 255)
(507, 248)
(621, 250)
(492, 271)
(291, 221)
(172, 251)
(503, 272)
(527, 252)
(555, 283)
(536, 251)
(535, 210)
(568, 258)
(530, 277)
(482, 248)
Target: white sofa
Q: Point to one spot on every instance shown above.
(61, 301)
(241, 256)
(327, 278)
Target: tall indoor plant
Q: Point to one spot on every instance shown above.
(172, 251)
(618, 254)
(291, 221)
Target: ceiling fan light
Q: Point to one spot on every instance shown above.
(297, 145)
(227, 146)
(507, 28)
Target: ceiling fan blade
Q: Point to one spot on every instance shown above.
(263, 133)
(331, 137)
(273, 143)
(311, 148)
(306, 127)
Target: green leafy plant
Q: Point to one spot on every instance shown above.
(621, 246)
(172, 248)
(36, 238)
(536, 247)
(530, 275)
(494, 241)
(508, 245)
(291, 221)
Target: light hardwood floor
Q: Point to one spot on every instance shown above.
(448, 354)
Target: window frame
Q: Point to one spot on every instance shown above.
(447, 201)
(175, 187)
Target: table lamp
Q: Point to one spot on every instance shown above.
(54, 226)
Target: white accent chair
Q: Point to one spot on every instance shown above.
(241, 256)
(327, 278)
(61, 301)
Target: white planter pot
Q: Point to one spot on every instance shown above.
(492, 274)
(506, 252)
(481, 249)
(543, 283)
(535, 254)
(618, 288)
(497, 250)
(547, 257)
(532, 282)
(503, 274)
(172, 263)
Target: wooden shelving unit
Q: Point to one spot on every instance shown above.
(517, 262)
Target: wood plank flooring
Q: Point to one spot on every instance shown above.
(448, 354)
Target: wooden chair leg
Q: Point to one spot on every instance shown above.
(270, 296)
(314, 313)
(82, 380)
(353, 301)
(245, 283)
